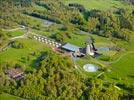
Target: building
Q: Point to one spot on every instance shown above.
(75, 50)
(90, 48)
(15, 73)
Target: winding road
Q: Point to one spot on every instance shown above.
(6, 46)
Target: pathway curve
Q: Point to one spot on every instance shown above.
(22, 36)
(15, 29)
(79, 69)
(117, 60)
(6, 46)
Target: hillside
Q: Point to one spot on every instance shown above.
(35, 63)
(102, 4)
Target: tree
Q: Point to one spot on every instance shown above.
(93, 22)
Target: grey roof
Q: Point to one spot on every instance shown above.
(70, 47)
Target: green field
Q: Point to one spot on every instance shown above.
(15, 33)
(123, 70)
(55, 73)
(14, 55)
(101, 4)
(5, 96)
(33, 21)
(120, 71)
(80, 39)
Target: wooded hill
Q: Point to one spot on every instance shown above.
(55, 77)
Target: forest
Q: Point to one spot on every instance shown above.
(53, 76)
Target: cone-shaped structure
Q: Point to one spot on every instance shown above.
(89, 50)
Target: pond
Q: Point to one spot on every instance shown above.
(90, 68)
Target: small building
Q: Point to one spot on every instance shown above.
(72, 48)
(15, 73)
(90, 48)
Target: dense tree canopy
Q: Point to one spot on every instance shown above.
(55, 77)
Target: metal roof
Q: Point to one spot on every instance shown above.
(70, 47)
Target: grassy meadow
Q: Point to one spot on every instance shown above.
(101, 4)
(5, 96)
(24, 56)
(120, 70)
(15, 33)
(123, 70)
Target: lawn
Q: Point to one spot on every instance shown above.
(24, 55)
(47, 31)
(89, 60)
(15, 33)
(80, 39)
(129, 46)
(101, 4)
(41, 32)
(5, 96)
(123, 70)
(38, 26)
(33, 21)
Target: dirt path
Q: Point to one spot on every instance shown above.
(6, 46)
(15, 29)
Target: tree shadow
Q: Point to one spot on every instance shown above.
(37, 62)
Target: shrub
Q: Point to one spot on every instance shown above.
(17, 45)
(104, 58)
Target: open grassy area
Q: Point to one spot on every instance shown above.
(34, 21)
(5, 96)
(123, 70)
(80, 39)
(120, 71)
(42, 26)
(47, 31)
(41, 32)
(24, 56)
(101, 4)
(15, 33)
(122, 65)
